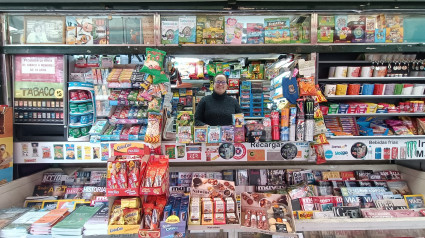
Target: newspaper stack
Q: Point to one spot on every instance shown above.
(44, 225)
(20, 227)
(73, 224)
(98, 224)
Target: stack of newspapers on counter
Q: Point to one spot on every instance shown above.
(21, 226)
(73, 225)
(43, 226)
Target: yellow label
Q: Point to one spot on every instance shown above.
(123, 229)
(173, 219)
(59, 93)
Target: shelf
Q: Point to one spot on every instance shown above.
(216, 49)
(126, 121)
(375, 114)
(357, 97)
(345, 62)
(379, 137)
(56, 123)
(44, 109)
(80, 113)
(126, 103)
(195, 81)
(80, 101)
(368, 79)
(120, 85)
(360, 224)
(76, 125)
(253, 118)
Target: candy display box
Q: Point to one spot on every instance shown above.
(120, 229)
(213, 205)
(156, 179)
(126, 169)
(267, 213)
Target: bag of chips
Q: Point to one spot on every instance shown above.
(154, 62)
(153, 132)
(307, 86)
(161, 78)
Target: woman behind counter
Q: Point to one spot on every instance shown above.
(217, 109)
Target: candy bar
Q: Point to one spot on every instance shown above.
(219, 219)
(131, 216)
(231, 218)
(207, 219)
(130, 203)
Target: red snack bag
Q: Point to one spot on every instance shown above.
(82, 95)
(155, 218)
(320, 154)
(147, 217)
(151, 199)
(133, 168)
(134, 130)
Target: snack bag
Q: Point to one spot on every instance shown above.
(133, 167)
(154, 105)
(162, 78)
(307, 86)
(153, 132)
(131, 216)
(184, 134)
(211, 70)
(219, 68)
(154, 62)
(200, 69)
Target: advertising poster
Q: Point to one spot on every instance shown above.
(6, 145)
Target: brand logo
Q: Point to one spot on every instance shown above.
(329, 154)
(116, 229)
(339, 146)
(341, 153)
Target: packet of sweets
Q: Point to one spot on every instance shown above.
(133, 173)
(147, 215)
(121, 167)
(131, 216)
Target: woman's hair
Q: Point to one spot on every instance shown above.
(221, 74)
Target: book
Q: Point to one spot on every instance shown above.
(352, 201)
(391, 204)
(323, 203)
(342, 31)
(71, 30)
(49, 204)
(91, 191)
(307, 204)
(187, 29)
(210, 29)
(200, 134)
(74, 223)
(148, 30)
(365, 183)
(169, 30)
(399, 187)
(98, 223)
(68, 204)
(43, 190)
(277, 31)
(84, 31)
(100, 31)
(57, 178)
(347, 211)
(391, 175)
(370, 29)
(132, 30)
(361, 191)
(362, 174)
(331, 175)
(44, 225)
(357, 25)
(347, 175)
(325, 33)
(116, 30)
(234, 31)
(98, 178)
(255, 33)
(414, 201)
(351, 184)
(74, 192)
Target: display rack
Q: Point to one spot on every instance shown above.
(372, 79)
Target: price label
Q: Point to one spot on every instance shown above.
(194, 156)
(59, 93)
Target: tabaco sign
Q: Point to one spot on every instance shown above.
(131, 149)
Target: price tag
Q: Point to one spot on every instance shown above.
(59, 93)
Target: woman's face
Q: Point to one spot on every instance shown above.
(220, 84)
